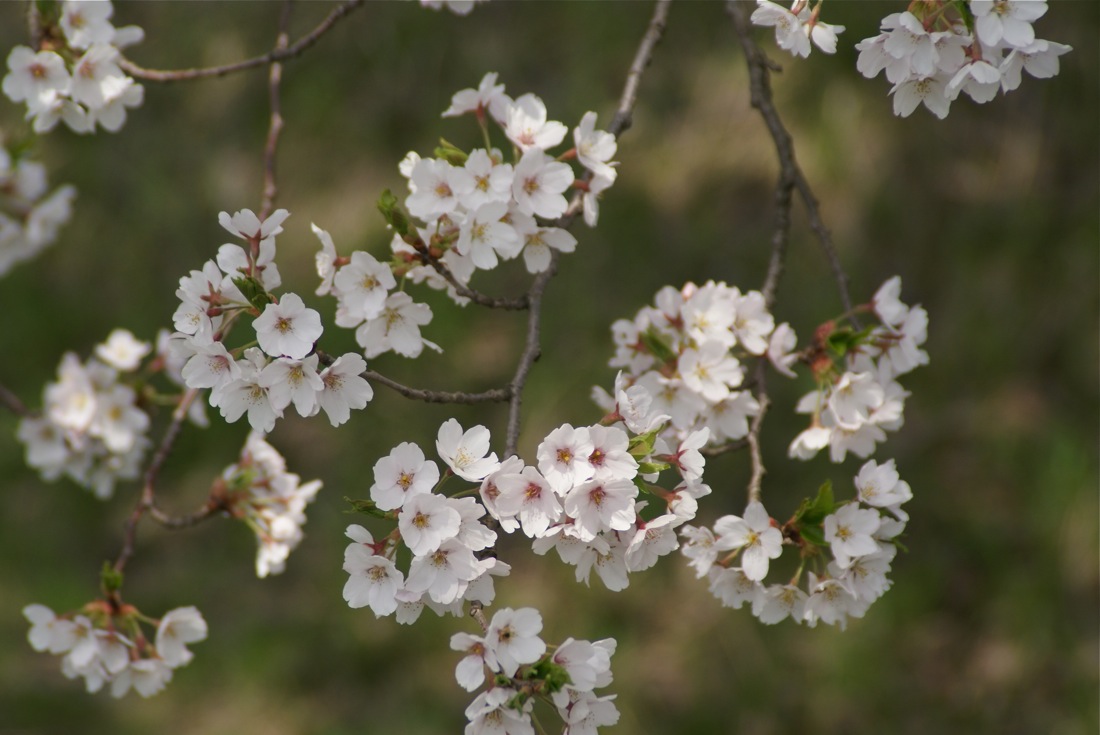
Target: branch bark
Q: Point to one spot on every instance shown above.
(289, 52)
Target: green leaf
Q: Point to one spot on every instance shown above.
(642, 485)
(553, 675)
(110, 579)
(395, 217)
(254, 291)
(366, 507)
(655, 342)
(813, 512)
(450, 153)
(649, 468)
(241, 480)
(814, 535)
(642, 446)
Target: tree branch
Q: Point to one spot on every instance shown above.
(12, 402)
(753, 438)
(531, 352)
(148, 494)
(624, 116)
(497, 395)
(292, 51)
(275, 126)
(791, 175)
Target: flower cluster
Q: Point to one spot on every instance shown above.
(442, 533)
(284, 369)
(858, 534)
(458, 7)
(104, 644)
(583, 499)
(686, 352)
(931, 54)
(29, 219)
(795, 28)
(523, 670)
(361, 284)
(75, 74)
(858, 398)
(91, 428)
(259, 491)
(474, 209)
(935, 50)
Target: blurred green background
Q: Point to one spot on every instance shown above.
(990, 217)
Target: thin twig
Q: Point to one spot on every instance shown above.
(12, 402)
(624, 117)
(531, 352)
(290, 52)
(753, 438)
(517, 304)
(212, 506)
(624, 114)
(733, 446)
(497, 395)
(148, 494)
(790, 173)
(275, 126)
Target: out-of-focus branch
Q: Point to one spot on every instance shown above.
(624, 116)
(497, 395)
(12, 402)
(791, 175)
(288, 52)
(275, 126)
(148, 492)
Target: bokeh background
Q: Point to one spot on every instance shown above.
(991, 218)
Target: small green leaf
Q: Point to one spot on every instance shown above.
(366, 507)
(241, 480)
(642, 446)
(814, 535)
(254, 291)
(655, 342)
(450, 153)
(553, 675)
(642, 485)
(395, 217)
(814, 512)
(110, 579)
(649, 468)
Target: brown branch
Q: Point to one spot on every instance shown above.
(624, 113)
(733, 446)
(12, 402)
(753, 438)
(791, 175)
(148, 494)
(531, 352)
(492, 302)
(292, 51)
(271, 145)
(624, 116)
(497, 395)
(212, 506)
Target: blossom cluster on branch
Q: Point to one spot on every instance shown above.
(74, 74)
(935, 50)
(29, 218)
